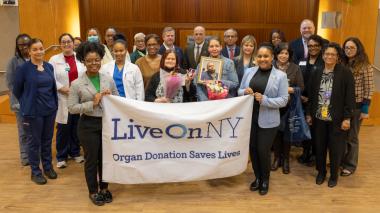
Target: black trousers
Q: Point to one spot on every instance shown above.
(331, 137)
(281, 147)
(261, 141)
(90, 137)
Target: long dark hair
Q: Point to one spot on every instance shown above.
(17, 50)
(360, 59)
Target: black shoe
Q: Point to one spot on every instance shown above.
(332, 182)
(275, 164)
(255, 185)
(97, 199)
(320, 178)
(285, 166)
(39, 179)
(107, 196)
(264, 187)
(310, 161)
(51, 174)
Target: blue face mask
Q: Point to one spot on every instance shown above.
(93, 38)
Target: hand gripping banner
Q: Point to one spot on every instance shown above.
(146, 142)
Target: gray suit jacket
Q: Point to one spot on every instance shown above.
(82, 93)
(189, 58)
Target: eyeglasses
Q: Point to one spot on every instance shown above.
(66, 42)
(349, 48)
(22, 45)
(229, 36)
(96, 61)
(313, 45)
(331, 54)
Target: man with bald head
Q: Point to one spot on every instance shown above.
(195, 50)
(299, 46)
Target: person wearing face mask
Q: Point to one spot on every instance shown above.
(196, 50)
(169, 66)
(229, 77)
(34, 86)
(139, 44)
(246, 58)
(283, 62)
(85, 97)
(21, 56)
(150, 64)
(66, 70)
(269, 86)
(127, 76)
(330, 110)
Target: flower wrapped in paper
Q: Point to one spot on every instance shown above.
(172, 82)
(216, 90)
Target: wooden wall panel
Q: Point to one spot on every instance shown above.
(187, 11)
(255, 17)
(47, 19)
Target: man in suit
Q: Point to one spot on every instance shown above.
(299, 46)
(168, 35)
(195, 50)
(231, 50)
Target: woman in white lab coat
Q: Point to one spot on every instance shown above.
(66, 69)
(127, 76)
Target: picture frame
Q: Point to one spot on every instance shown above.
(208, 63)
(9, 3)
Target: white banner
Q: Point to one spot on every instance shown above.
(147, 142)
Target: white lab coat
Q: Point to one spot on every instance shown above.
(62, 79)
(132, 79)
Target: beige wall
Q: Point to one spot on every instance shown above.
(9, 26)
(359, 20)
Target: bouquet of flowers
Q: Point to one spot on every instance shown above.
(216, 90)
(173, 82)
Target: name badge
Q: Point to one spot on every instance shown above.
(302, 63)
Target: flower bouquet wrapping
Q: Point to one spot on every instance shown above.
(216, 90)
(173, 82)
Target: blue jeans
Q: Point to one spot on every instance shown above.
(22, 139)
(39, 131)
(67, 142)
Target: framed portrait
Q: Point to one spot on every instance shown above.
(210, 69)
(9, 2)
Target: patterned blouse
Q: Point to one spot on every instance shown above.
(178, 98)
(324, 96)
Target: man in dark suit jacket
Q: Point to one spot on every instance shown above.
(299, 46)
(231, 50)
(194, 51)
(168, 35)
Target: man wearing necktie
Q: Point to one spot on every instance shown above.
(196, 50)
(230, 50)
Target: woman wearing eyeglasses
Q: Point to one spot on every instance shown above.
(84, 98)
(330, 109)
(67, 68)
(357, 60)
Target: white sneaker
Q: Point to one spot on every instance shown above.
(79, 159)
(61, 164)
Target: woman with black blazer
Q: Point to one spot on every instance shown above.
(35, 88)
(246, 58)
(330, 109)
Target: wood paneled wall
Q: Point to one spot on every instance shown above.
(257, 17)
(48, 19)
(359, 19)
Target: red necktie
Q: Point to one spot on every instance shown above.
(231, 53)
